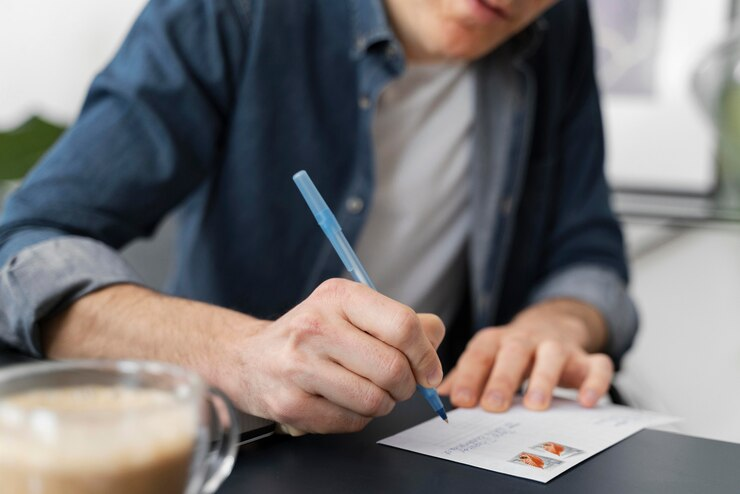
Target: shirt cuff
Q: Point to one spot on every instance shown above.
(45, 277)
(603, 289)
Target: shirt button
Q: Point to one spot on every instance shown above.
(364, 102)
(506, 205)
(354, 205)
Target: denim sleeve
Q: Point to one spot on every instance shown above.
(585, 254)
(49, 275)
(601, 288)
(148, 136)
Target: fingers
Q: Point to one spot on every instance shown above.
(345, 354)
(550, 360)
(446, 387)
(433, 328)
(389, 321)
(512, 362)
(473, 369)
(496, 361)
(346, 390)
(374, 360)
(304, 413)
(597, 381)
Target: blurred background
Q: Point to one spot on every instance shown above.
(668, 72)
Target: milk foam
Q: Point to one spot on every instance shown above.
(100, 428)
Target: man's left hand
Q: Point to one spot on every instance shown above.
(550, 343)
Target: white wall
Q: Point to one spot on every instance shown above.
(51, 49)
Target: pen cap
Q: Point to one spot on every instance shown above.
(312, 196)
(329, 224)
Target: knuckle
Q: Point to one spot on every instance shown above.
(484, 336)
(478, 355)
(306, 326)
(408, 390)
(309, 320)
(396, 368)
(333, 288)
(551, 347)
(397, 377)
(406, 324)
(516, 344)
(375, 403)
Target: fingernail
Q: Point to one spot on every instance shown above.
(495, 399)
(435, 377)
(463, 395)
(536, 398)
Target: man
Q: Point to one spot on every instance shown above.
(459, 141)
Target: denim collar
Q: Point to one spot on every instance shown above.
(371, 26)
(526, 42)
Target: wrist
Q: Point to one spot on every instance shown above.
(230, 334)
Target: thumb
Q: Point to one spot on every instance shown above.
(433, 328)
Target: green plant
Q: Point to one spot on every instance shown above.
(22, 147)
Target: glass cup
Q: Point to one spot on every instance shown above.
(112, 427)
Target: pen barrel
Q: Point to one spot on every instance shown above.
(351, 261)
(430, 394)
(330, 226)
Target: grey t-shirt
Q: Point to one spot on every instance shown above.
(413, 244)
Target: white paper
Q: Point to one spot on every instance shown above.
(516, 442)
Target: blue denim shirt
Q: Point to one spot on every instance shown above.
(210, 106)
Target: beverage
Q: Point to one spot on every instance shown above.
(89, 453)
(104, 435)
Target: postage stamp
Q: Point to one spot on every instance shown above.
(557, 449)
(534, 460)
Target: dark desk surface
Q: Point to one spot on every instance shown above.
(650, 462)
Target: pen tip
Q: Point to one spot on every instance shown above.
(447, 421)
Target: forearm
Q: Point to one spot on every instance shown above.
(311, 369)
(131, 322)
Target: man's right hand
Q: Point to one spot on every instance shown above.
(344, 355)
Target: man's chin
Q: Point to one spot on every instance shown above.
(466, 48)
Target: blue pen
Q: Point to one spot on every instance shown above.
(329, 224)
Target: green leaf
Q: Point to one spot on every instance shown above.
(21, 148)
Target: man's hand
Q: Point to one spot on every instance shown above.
(344, 355)
(549, 343)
